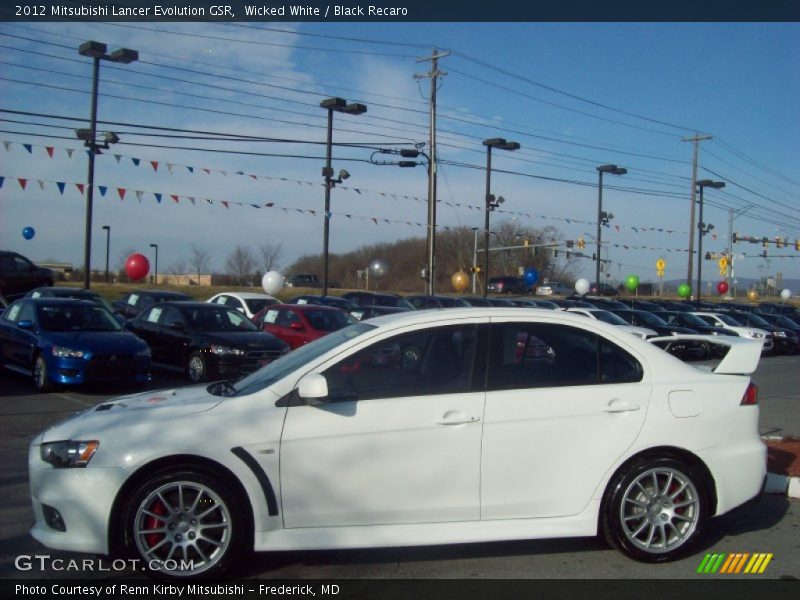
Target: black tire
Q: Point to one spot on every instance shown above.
(171, 517)
(654, 510)
(197, 367)
(41, 376)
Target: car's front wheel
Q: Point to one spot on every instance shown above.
(655, 509)
(196, 368)
(41, 375)
(185, 524)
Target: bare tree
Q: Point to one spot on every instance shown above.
(240, 264)
(270, 255)
(178, 272)
(199, 261)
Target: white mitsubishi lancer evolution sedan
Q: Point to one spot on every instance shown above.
(424, 427)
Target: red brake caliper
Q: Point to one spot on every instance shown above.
(152, 522)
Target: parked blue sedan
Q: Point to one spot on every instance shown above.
(70, 342)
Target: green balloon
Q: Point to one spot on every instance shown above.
(684, 290)
(632, 282)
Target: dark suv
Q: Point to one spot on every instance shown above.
(18, 275)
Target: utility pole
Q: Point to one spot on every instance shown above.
(433, 74)
(732, 215)
(697, 138)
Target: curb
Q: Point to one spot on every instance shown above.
(783, 484)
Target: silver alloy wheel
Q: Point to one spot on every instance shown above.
(40, 374)
(197, 368)
(660, 510)
(184, 527)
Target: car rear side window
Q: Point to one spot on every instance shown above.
(536, 355)
(427, 362)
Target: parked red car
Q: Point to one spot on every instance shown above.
(298, 324)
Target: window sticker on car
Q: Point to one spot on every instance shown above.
(132, 299)
(302, 301)
(153, 315)
(36, 294)
(13, 312)
(270, 316)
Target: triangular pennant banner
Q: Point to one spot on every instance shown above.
(191, 200)
(103, 189)
(22, 182)
(154, 164)
(80, 187)
(8, 146)
(28, 147)
(61, 185)
(118, 157)
(225, 204)
(175, 198)
(139, 195)
(69, 152)
(170, 166)
(50, 150)
(136, 161)
(41, 184)
(158, 197)
(121, 192)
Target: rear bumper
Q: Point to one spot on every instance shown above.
(739, 473)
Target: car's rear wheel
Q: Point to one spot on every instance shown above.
(185, 524)
(41, 375)
(196, 367)
(655, 509)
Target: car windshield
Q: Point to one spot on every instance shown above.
(218, 319)
(258, 304)
(786, 322)
(327, 320)
(77, 318)
(729, 320)
(651, 319)
(755, 320)
(608, 317)
(278, 369)
(691, 320)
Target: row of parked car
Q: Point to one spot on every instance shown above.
(69, 336)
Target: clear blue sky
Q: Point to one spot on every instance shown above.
(575, 95)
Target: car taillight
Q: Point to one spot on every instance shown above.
(750, 397)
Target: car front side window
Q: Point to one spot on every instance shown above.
(425, 362)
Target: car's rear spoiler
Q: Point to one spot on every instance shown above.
(742, 356)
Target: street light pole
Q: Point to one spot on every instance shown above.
(703, 229)
(332, 105)
(97, 52)
(601, 218)
(155, 278)
(491, 203)
(108, 247)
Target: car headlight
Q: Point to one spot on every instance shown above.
(64, 352)
(780, 334)
(755, 334)
(225, 350)
(69, 453)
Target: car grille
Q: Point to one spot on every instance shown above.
(111, 365)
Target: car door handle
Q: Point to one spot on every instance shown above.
(618, 407)
(456, 418)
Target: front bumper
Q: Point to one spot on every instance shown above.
(76, 371)
(83, 499)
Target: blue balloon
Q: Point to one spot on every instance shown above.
(28, 233)
(531, 276)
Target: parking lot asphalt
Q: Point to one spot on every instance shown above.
(770, 526)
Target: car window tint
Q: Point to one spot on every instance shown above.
(617, 365)
(283, 318)
(426, 362)
(170, 317)
(531, 355)
(27, 312)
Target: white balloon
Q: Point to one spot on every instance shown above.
(581, 286)
(272, 282)
(378, 268)
(786, 294)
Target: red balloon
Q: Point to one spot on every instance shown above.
(722, 287)
(137, 266)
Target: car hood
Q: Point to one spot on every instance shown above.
(97, 341)
(158, 405)
(244, 339)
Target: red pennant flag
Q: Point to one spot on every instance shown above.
(49, 150)
(225, 204)
(154, 164)
(175, 198)
(80, 187)
(121, 192)
(22, 183)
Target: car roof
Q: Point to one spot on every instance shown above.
(64, 290)
(307, 307)
(246, 295)
(41, 301)
(162, 293)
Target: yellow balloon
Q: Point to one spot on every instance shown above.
(752, 295)
(460, 281)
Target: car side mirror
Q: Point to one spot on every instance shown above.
(25, 324)
(313, 388)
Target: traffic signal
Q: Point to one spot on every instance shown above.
(765, 242)
(594, 256)
(735, 238)
(570, 243)
(779, 242)
(797, 244)
(708, 256)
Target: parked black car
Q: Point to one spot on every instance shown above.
(205, 341)
(642, 304)
(362, 313)
(132, 303)
(784, 340)
(363, 298)
(70, 292)
(607, 303)
(684, 349)
(771, 308)
(422, 301)
(785, 322)
(508, 285)
(602, 290)
(18, 275)
(337, 301)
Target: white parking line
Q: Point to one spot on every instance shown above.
(81, 402)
